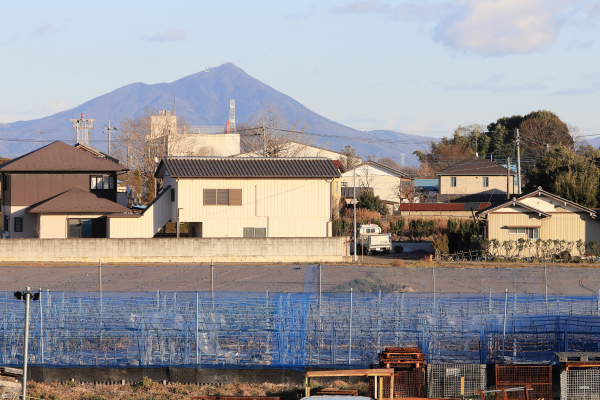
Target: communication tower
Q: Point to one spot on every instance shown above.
(232, 115)
(82, 127)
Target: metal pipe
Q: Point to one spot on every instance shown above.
(350, 341)
(197, 328)
(354, 190)
(504, 329)
(26, 344)
(212, 288)
(41, 330)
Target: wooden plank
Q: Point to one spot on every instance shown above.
(351, 372)
(11, 371)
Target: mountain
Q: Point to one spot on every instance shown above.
(203, 98)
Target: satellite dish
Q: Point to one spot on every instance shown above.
(156, 160)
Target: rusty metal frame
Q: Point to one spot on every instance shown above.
(378, 374)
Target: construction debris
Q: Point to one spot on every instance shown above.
(10, 382)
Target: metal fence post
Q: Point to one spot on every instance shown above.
(350, 329)
(197, 327)
(504, 330)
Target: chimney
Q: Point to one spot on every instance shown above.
(227, 126)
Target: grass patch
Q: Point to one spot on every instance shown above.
(370, 284)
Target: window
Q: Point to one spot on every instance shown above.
(79, 228)
(172, 195)
(18, 224)
(344, 184)
(486, 181)
(532, 233)
(255, 232)
(103, 182)
(6, 225)
(452, 181)
(222, 197)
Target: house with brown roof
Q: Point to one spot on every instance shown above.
(540, 215)
(59, 191)
(476, 181)
(455, 210)
(249, 197)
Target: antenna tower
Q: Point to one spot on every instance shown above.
(82, 127)
(232, 115)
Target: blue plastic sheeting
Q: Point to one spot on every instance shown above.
(285, 330)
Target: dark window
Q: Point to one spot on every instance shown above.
(222, 197)
(18, 224)
(255, 232)
(210, 197)
(452, 181)
(6, 225)
(486, 181)
(80, 228)
(172, 195)
(102, 182)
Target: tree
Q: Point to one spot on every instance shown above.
(368, 200)
(149, 135)
(349, 158)
(466, 142)
(567, 174)
(269, 134)
(537, 130)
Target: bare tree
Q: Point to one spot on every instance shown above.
(349, 158)
(149, 136)
(269, 134)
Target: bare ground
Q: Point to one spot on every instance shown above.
(416, 276)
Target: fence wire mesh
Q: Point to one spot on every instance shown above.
(580, 384)
(444, 380)
(539, 377)
(248, 329)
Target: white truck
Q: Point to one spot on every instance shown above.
(371, 239)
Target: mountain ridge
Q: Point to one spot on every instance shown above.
(203, 99)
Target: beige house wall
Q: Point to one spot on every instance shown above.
(144, 226)
(286, 207)
(30, 222)
(55, 226)
(566, 226)
(197, 144)
(384, 184)
(474, 184)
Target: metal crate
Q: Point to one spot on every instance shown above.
(539, 377)
(443, 380)
(406, 384)
(580, 384)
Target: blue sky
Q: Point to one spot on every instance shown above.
(420, 67)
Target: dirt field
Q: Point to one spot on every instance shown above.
(414, 277)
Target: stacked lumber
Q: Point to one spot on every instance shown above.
(10, 382)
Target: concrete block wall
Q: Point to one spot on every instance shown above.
(167, 250)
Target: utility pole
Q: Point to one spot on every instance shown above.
(107, 129)
(518, 162)
(26, 296)
(507, 178)
(354, 184)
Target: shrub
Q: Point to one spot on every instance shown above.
(397, 263)
(440, 244)
(368, 200)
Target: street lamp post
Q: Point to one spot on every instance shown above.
(26, 296)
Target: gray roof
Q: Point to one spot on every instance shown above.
(348, 191)
(248, 168)
(475, 168)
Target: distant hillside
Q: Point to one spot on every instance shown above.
(203, 98)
